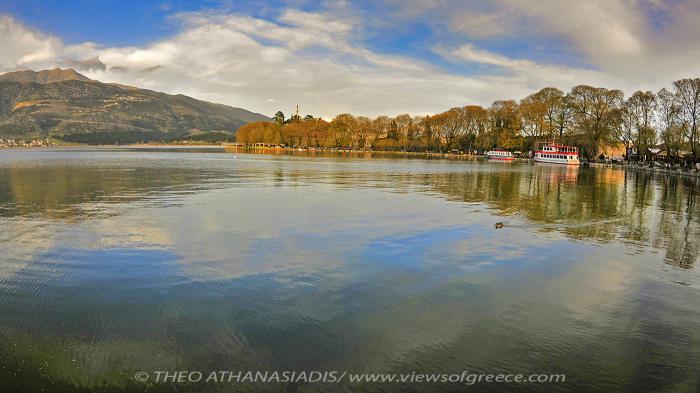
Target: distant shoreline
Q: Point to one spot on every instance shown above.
(342, 153)
(355, 152)
(138, 146)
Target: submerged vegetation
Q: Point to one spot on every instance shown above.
(589, 117)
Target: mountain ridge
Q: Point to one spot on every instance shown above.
(44, 76)
(65, 104)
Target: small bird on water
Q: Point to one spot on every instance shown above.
(499, 225)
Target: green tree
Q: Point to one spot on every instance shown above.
(279, 117)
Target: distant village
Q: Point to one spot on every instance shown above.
(8, 143)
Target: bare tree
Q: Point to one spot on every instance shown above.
(641, 106)
(505, 123)
(449, 125)
(668, 112)
(553, 102)
(624, 132)
(381, 127)
(362, 131)
(476, 124)
(342, 128)
(534, 113)
(596, 113)
(687, 92)
(563, 115)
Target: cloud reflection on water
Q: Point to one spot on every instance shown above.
(371, 265)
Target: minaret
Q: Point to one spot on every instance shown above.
(298, 118)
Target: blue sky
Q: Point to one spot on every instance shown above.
(364, 57)
(103, 21)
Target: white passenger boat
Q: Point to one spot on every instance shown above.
(498, 154)
(554, 153)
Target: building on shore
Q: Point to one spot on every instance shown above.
(8, 143)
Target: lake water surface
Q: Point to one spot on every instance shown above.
(114, 261)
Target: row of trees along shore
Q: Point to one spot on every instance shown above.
(588, 117)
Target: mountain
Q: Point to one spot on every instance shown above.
(64, 104)
(43, 77)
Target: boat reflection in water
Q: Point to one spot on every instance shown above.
(556, 173)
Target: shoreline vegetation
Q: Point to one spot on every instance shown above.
(601, 122)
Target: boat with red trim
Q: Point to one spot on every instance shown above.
(555, 153)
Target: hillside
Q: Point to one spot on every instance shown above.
(43, 77)
(69, 106)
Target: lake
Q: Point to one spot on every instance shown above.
(118, 261)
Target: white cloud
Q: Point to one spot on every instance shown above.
(317, 59)
(601, 29)
(623, 39)
(21, 45)
(596, 28)
(25, 48)
(520, 76)
(308, 59)
(479, 24)
(472, 54)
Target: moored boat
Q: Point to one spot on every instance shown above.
(498, 154)
(555, 153)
